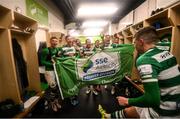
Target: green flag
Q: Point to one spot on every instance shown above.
(103, 67)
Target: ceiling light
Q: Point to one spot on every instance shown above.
(92, 31)
(95, 23)
(97, 10)
(73, 33)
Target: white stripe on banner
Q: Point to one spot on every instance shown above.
(149, 80)
(170, 90)
(169, 73)
(168, 105)
(163, 56)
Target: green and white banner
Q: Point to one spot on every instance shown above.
(101, 64)
(103, 67)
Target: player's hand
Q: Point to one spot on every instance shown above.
(122, 101)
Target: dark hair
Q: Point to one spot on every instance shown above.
(148, 34)
(62, 35)
(116, 35)
(67, 37)
(53, 38)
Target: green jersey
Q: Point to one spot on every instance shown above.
(47, 55)
(161, 79)
(95, 49)
(68, 51)
(79, 52)
(164, 45)
(87, 51)
(107, 46)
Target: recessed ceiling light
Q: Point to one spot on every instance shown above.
(94, 23)
(97, 10)
(92, 31)
(75, 34)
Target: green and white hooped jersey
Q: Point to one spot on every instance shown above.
(107, 46)
(97, 49)
(81, 49)
(157, 65)
(88, 51)
(164, 45)
(66, 51)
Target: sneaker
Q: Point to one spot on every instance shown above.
(113, 90)
(105, 86)
(102, 112)
(57, 104)
(95, 92)
(88, 91)
(46, 104)
(54, 107)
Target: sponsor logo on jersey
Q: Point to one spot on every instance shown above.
(145, 69)
(162, 56)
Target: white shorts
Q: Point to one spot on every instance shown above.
(148, 113)
(50, 78)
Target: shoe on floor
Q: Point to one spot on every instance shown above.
(46, 104)
(105, 86)
(57, 104)
(54, 107)
(103, 113)
(113, 90)
(95, 92)
(88, 91)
